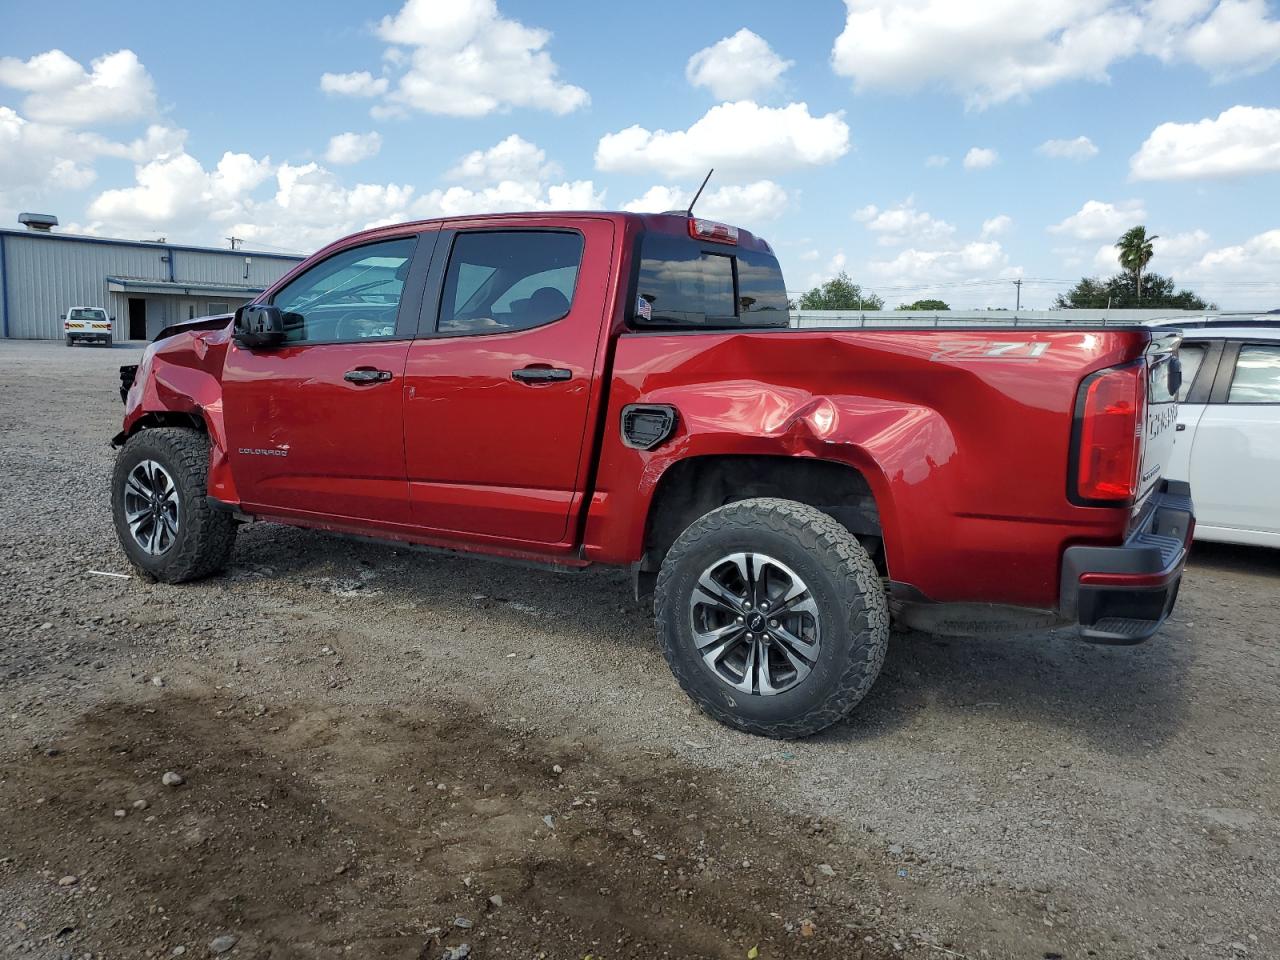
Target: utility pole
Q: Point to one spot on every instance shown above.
(1018, 306)
(234, 241)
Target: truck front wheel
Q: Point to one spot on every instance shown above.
(163, 517)
(772, 617)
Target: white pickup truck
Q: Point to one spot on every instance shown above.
(87, 323)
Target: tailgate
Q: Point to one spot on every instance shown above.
(1163, 373)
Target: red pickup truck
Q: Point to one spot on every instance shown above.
(582, 388)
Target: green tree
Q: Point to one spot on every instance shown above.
(1121, 292)
(1136, 252)
(934, 305)
(840, 293)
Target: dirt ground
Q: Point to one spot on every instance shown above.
(374, 742)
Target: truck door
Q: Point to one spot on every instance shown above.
(315, 426)
(499, 385)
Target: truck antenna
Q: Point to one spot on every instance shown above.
(689, 212)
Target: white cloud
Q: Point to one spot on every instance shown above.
(359, 84)
(736, 68)
(348, 148)
(979, 158)
(1257, 259)
(1237, 38)
(1080, 148)
(1241, 140)
(1181, 246)
(741, 205)
(741, 137)
(904, 224)
(936, 161)
(1097, 220)
(987, 52)
(176, 189)
(1000, 223)
(1107, 258)
(307, 206)
(509, 196)
(1000, 50)
(981, 258)
(60, 90)
(467, 60)
(38, 158)
(511, 159)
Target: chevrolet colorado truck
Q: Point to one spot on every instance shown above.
(617, 388)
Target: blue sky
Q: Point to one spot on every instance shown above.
(839, 131)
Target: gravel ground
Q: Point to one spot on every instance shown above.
(369, 739)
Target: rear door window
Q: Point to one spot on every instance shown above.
(504, 280)
(1257, 376)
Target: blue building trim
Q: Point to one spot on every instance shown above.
(74, 238)
(4, 288)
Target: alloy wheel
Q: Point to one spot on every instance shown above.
(755, 624)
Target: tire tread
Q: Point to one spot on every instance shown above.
(827, 539)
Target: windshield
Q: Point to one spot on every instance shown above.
(88, 313)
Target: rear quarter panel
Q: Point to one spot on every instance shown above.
(963, 436)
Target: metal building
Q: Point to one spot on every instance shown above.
(144, 286)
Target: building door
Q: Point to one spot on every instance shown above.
(137, 318)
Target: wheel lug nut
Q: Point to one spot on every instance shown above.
(747, 604)
(773, 623)
(740, 620)
(751, 636)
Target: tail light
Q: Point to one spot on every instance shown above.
(710, 230)
(1107, 453)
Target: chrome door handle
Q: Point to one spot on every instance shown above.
(366, 375)
(541, 374)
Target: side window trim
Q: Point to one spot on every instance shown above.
(428, 317)
(410, 293)
(1225, 371)
(1231, 373)
(1203, 382)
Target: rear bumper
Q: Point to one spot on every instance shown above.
(1123, 594)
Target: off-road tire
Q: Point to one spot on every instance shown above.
(205, 535)
(853, 614)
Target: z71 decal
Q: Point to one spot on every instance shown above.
(991, 350)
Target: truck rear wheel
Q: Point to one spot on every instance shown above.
(163, 517)
(772, 617)
(70, 340)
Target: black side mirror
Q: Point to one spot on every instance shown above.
(259, 326)
(1175, 375)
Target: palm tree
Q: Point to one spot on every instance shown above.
(1135, 253)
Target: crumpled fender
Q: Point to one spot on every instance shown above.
(890, 443)
(183, 374)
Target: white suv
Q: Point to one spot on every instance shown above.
(1228, 435)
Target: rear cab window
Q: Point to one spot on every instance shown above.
(687, 283)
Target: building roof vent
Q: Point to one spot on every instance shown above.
(39, 222)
